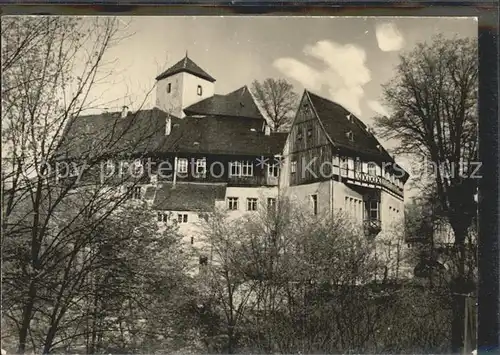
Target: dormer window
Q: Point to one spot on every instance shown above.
(350, 136)
(199, 90)
(349, 117)
(169, 88)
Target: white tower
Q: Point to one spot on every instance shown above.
(182, 85)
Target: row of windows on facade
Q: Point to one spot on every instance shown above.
(199, 89)
(354, 207)
(165, 217)
(232, 204)
(236, 168)
(252, 203)
(347, 164)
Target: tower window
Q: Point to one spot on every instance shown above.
(169, 88)
(199, 90)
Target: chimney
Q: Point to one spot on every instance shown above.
(124, 111)
(168, 126)
(267, 130)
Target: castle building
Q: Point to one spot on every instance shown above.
(213, 146)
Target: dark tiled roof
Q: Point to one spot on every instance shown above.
(144, 132)
(111, 134)
(188, 66)
(238, 103)
(223, 135)
(334, 119)
(188, 196)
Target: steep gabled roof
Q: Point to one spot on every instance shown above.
(239, 103)
(188, 66)
(338, 127)
(188, 196)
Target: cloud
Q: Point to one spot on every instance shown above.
(299, 71)
(388, 37)
(343, 77)
(378, 108)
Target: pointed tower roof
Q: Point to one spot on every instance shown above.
(188, 66)
(239, 103)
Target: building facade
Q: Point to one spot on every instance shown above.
(204, 151)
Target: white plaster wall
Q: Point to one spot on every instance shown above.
(300, 195)
(392, 210)
(340, 192)
(261, 193)
(190, 90)
(170, 102)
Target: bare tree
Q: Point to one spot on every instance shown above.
(52, 218)
(278, 100)
(433, 97)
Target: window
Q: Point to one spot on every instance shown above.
(235, 168)
(251, 204)
(201, 167)
(238, 168)
(109, 168)
(137, 167)
(273, 170)
(293, 167)
(350, 136)
(162, 217)
(271, 203)
(232, 203)
(169, 88)
(134, 192)
(373, 212)
(309, 132)
(192, 240)
(203, 260)
(247, 168)
(199, 90)
(371, 169)
(314, 199)
(358, 166)
(182, 165)
(343, 166)
(182, 218)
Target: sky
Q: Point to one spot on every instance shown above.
(346, 59)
